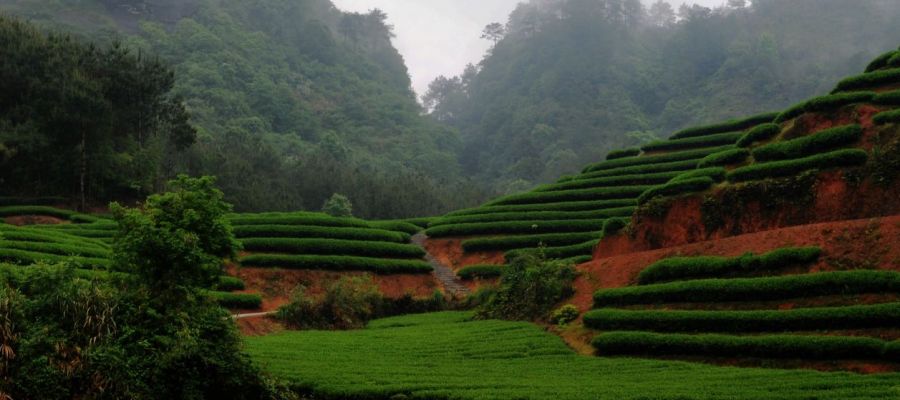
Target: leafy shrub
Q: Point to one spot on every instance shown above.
(887, 117)
(337, 263)
(773, 169)
(875, 78)
(622, 180)
(719, 139)
(347, 303)
(559, 252)
(655, 159)
(758, 289)
(10, 211)
(229, 283)
(891, 98)
(480, 271)
(713, 345)
(605, 193)
(671, 166)
(676, 188)
(880, 61)
(528, 289)
(243, 301)
(564, 315)
(824, 103)
(758, 134)
(421, 222)
(722, 158)
(26, 257)
(811, 144)
(717, 174)
(629, 152)
(333, 247)
(306, 219)
(525, 241)
(681, 268)
(802, 319)
(614, 225)
(729, 126)
(534, 216)
(511, 227)
(398, 226)
(32, 201)
(63, 249)
(295, 231)
(554, 207)
(338, 205)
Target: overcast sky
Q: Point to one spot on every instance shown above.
(439, 37)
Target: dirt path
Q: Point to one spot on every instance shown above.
(252, 315)
(442, 272)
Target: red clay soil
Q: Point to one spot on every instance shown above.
(22, 220)
(864, 243)
(450, 252)
(258, 326)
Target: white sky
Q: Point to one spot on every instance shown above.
(439, 37)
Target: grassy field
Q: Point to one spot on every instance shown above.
(444, 355)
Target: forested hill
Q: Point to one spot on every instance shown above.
(293, 101)
(569, 80)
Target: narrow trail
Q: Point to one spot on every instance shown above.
(252, 315)
(443, 273)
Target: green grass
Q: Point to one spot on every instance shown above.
(836, 159)
(719, 139)
(813, 143)
(513, 227)
(678, 187)
(444, 355)
(729, 126)
(526, 241)
(683, 268)
(722, 158)
(337, 263)
(534, 216)
(868, 80)
(759, 134)
(756, 289)
(603, 193)
(332, 247)
(622, 180)
(480, 271)
(795, 320)
(561, 206)
(295, 231)
(655, 159)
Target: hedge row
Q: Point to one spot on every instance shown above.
(887, 117)
(768, 346)
(719, 139)
(621, 180)
(815, 143)
(801, 319)
(480, 271)
(535, 215)
(673, 166)
(560, 252)
(80, 232)
(614, 225)
(421, 222)
(229, 283)
(655, 159)
(397, 226)
(295, 231)
(332, 247)
(683, 268)
(871, 79)
(33, 201)
(729, 126)
(891, 98)
(757, 289)
(561, 206)
(9, 211)
(512, 227)
(717, 174)
(244, 301)
(880, 61)
(63, 249)
(31, 257)
(577, 260)
(313, 220)
(758, 134)
(604, 193)
(722, 158)
(773, 169)
(527, 241)
(622, 153)
(677, 187)
(49, 236)
(824, 103)
(337, 263)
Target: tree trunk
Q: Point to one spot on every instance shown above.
(83, 173)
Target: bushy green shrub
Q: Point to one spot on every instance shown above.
(333, 247)
(719, 139)
(801, 319)
(347, 303)
(676, 188)
(673, 166)
(63, 249)
(713, 345)
(881, 61)
(308, 219)
(243, 301)
(558, 252)
(629, 152)
(480, 271)
(604, 193)
(527, 241)
(528, 289)
(398, 226)
(612, 226)
(891, 98)
(512, 227)
(758, 289)
(534, 216)
(25, 257)
(824, 103)
(229, 283)
(10, 211)
(295, 231)
(564, 315)
(887, 117)
(722, 158)
(682, 268)
(717, 174)
(892, 351)
(758, 134)
(577, 259)
(421, 222)
(655, 159)
(337, 263)
(871, 79)
(561, 206)
(338, 205)
(729, 126)
(773, 169)
(810, 144)
(622, 180)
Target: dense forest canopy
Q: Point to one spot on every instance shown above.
(569, 80)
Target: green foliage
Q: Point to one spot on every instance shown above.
(480, 271)
(564, 315)
(527, 241)
(338, 205)
(322, 232)
(612, 226)
(533, 216)
(868, 80)
(730, 126)
(704, 141)
(813, 143)
(722, 158)
(242, 301)
(880, 61)
(655, 159)
(30, 201)
(26, 257)
(622, 180)
(64, 249)
(401, 226)
(332, 247)
(676, 188)
(12, 211)
(561, 206)
(310, 219)
(887, 98)
(603, 193)
(663, 167)
(337, 263)
(712, 345)
(836, 159)
(528, 289)
(824, 103)
(759, 134)
(684, 268)
(839, 283)
(622, 153)
(887, 117)
(717, 174)
(229, 283)
(558, 252)
(512, 227)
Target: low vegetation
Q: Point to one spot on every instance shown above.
(336, 263)
(685, 268)
(529, 288)
(677, 187)
(727, 157)
(760, 133)
(774, 169)
(867, 80)
(511, 227)
(718, 139)
(728, 126)
(332, 247)
(813, 143)
(480, 271)
(824, 103)
(524, 241)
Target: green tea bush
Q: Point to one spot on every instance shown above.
(559, 252)
(527, 241)
(824, 103)
(801, 319)
(871, 79)
(25, 257)
(655, 159)
(337, 263)
(773, 169)
(880, 61)
(554, 207)
(243, 301)
(528, 289)
(534, 216)
(605, 193)
(612, 226)
(759, 134)
(713, 345)
(564, 315)
(891, 98)
(892, 351)
(32, 201)
(421, 222)
(810, 144)
(682, 268)
(11, 211)
(512, 227)
(480, 271)
(622, 180)
(887, 117)
(673, 166)
(677, 187)
(577, 259)
(333, 247)
(757, 289)
(729, 126)
(309, 219)
(717, 174)
(398, 226)
(229, 283)
(722, 158)
(629, 152)
(63, 249)
(295, 231)
(719, 139)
